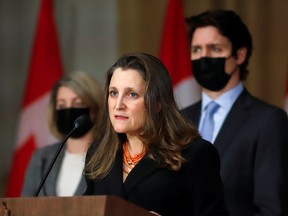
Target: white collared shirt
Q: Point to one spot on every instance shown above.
(226, 102)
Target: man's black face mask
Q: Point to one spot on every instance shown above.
(210, 73)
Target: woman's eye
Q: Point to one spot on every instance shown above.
(133, 95)
(60, 106)
(112, 93)
(78, 105)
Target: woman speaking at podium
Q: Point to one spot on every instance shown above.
(144, 150)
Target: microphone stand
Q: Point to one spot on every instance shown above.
(53, 161)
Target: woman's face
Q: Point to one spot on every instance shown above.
(126, 101)
(66, 98)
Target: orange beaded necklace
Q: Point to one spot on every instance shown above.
(129, 161)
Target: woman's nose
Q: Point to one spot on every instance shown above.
(119, 104)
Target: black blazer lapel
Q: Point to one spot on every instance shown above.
(114, 180)
(144, 168)
(233, 122)
(193, 113)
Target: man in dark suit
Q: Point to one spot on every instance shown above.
(250, 135)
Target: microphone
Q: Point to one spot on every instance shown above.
(80, 121)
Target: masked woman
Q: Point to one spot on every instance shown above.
(72, 96)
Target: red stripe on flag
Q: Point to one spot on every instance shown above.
(175, 52)
(45, 69)
(20, 161)
(45, 65)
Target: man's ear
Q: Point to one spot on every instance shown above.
(241, 55)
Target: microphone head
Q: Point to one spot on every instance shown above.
(81, 121)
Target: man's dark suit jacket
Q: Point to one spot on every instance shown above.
(252, 145)
(38, 165)
(194, 190)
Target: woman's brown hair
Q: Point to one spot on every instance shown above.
(165, 131)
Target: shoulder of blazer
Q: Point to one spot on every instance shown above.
(192, 107)
(256, 104)
(45, 151)
(193, 112)
(199, 147)
(48, 148)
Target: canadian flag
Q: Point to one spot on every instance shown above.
(175, 54)
(44, 70)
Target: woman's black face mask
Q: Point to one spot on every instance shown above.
(66, 118)
(210, 73)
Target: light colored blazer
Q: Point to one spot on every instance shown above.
(37, 167)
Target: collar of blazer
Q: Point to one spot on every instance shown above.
(145, 167)
(235, 119)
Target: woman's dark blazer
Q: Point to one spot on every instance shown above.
(194, 190)
(38, 165)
